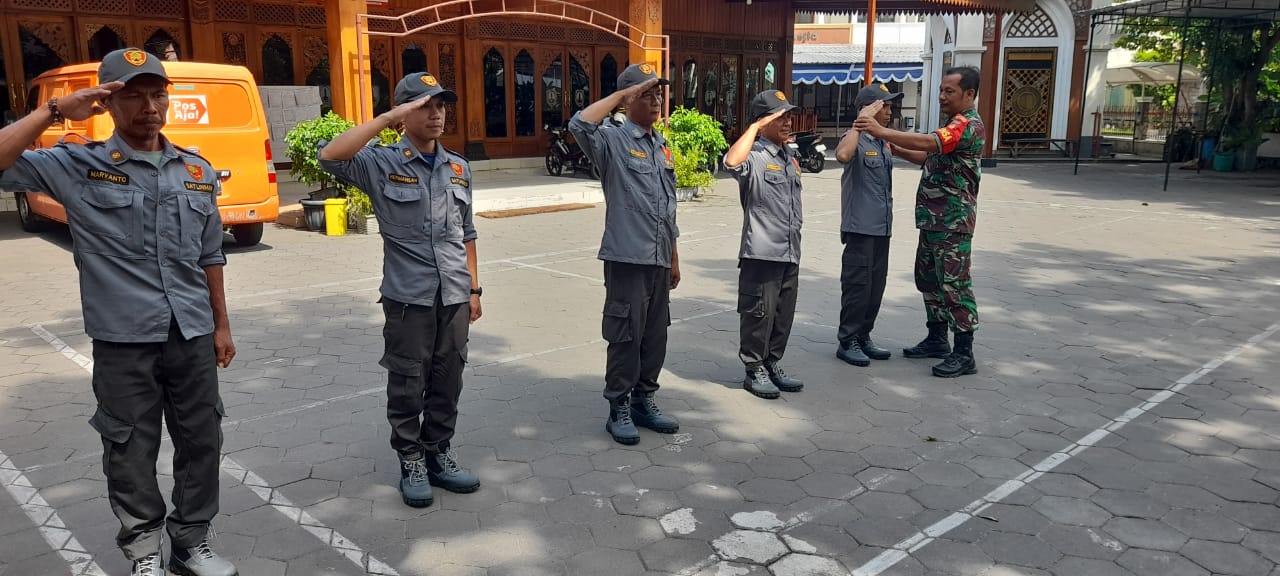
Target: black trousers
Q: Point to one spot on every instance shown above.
(767, 294)
(637, 312)
(425, 350)
(864, 271)
(134, 385)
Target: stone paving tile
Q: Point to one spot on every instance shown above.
(1081, 328)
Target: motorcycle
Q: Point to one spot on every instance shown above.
(563, 154)
(809, 152)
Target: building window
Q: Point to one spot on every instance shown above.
(319, 77)
(751, 80)
(729, 107)
(804, 17)
(711, 89)
(553, 94)
(608, 75)
(842, 18)
(381, 92)
(413, 59)
(770, 76)
(277, 62)
(103, 42)
(526, 100)
(690, 84)
(580, 83)
(162, 45)
(495, 94)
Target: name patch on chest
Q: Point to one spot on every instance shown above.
(461, 182)
(772, 167)
(104, 176)
(402, 179)
(639, 154)
(872, 153)
(199, 186)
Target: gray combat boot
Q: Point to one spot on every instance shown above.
(934, 345)
(415, 489)
(781, 380)
(852, 353)
(199, 561)
(619, 424)
(646, 413)
(759, 383)
(443, 471)
(871, 350)
(148, 565)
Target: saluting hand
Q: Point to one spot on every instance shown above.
(86, 102)
(870, 110)
(761, 123)
(397, 115)
(630, 94)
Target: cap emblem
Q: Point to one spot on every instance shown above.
(884, 88)
(429, 80)
(780, 96)
(646, 69)
(135, 57)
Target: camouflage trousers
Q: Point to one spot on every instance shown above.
(942, 276)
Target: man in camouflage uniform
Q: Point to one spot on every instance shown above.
(946, 214)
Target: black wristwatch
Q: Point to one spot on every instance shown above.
(478, 291)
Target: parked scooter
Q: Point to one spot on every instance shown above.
(563, 154)
(811, 154)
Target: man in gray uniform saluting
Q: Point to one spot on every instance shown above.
(866, 221)
(641, 265)
(421, 195)
(769, 262)
(148, 246)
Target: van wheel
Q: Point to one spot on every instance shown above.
(30, 222)
(247, 234)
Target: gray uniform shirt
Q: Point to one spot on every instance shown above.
(769, 188)
(424, 216)
(639, 191)
(142, 234)
(866, 189)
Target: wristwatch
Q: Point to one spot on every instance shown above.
(478, 291)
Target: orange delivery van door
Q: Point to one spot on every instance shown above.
(214, 110)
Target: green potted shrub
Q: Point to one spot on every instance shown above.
(692, 176)
(696, 142)
(304, 143)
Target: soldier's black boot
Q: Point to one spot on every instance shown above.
(871, 350)
(852, 353)
(443, 471)
(961, 361)
(619, 425)
(759, 383)
(781, 379)
(933, 346)
(646, 413)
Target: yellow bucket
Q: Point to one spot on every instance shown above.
(335, 217)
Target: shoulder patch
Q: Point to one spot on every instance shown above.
(402, 179)
(104, 176)
(457, 168)
(195, 171)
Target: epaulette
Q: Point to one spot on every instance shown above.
(77, 138)
(454, 154)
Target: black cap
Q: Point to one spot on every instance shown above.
(877, 91)
(639, 74)
(128, 63)
(768, 102)
(419, 85)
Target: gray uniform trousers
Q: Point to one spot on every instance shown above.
(425, 352)
(864, 272)
(767, 293)
(637, 312)
(135, 383)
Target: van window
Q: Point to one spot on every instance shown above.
(204, 102)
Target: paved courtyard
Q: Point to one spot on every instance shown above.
(1125, 420)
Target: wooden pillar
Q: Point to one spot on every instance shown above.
(471, 75)
(991, 84)
(646, 16)
(871, 43)
(1079, 74)
(206, 42)
(345, 46)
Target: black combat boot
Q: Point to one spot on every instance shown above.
(961, 361)
(933, 346)
(871, 350)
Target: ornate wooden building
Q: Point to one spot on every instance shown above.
(515, 72)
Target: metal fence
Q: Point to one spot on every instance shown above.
(1149, 123)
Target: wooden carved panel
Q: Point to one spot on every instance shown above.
(114, 7)
(159, 8)
(175, 32)
(91, 28)
(57, 35)
(1027, 98)
(314, 51)
(448, 75)
(380, 57)
(583, 56)
(1035, 24)
(58, 5)
(200, 11)
(233, 49)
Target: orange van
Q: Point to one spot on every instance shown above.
(214, 110)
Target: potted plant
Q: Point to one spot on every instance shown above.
(1243, 142)
(304, 143)
(692, 176)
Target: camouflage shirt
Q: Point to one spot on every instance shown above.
(948, 197)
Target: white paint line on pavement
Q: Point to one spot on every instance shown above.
(920, 539)
(253, 482)
(51, 527)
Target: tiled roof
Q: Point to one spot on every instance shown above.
(851, 53)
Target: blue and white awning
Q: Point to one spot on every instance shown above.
(827, 74)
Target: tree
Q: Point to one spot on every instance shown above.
(1241, 56)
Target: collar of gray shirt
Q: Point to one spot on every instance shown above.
(409, 153)
(120, 152)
